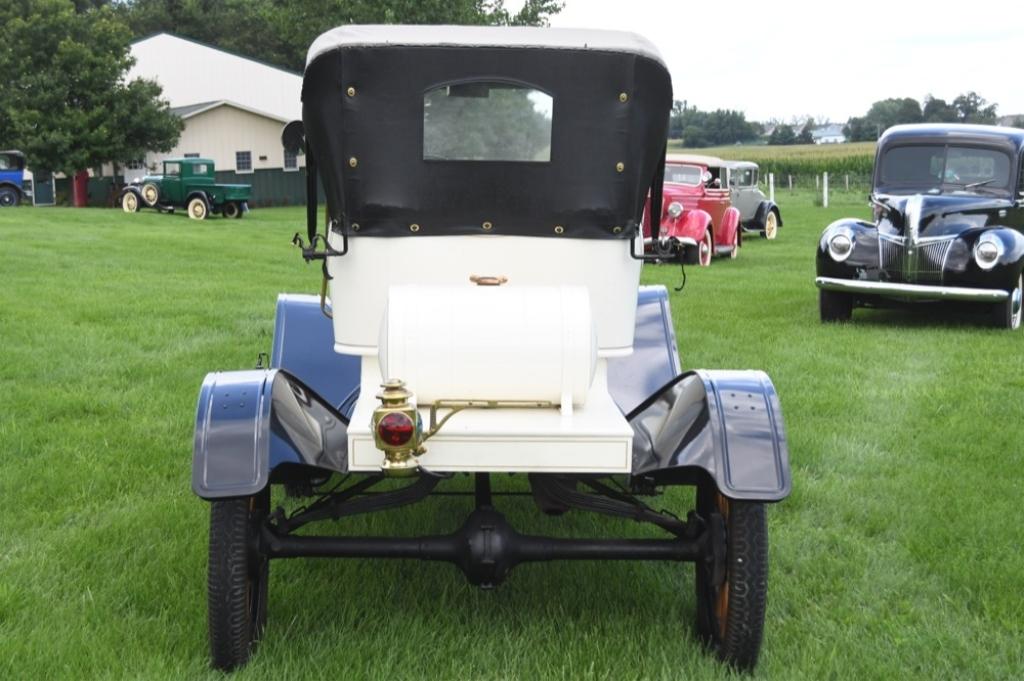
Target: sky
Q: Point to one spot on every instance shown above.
(830, 60)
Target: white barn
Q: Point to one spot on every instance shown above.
(234, 109)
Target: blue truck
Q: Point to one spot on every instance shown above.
(12, 178)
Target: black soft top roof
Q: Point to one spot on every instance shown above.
(363, 114)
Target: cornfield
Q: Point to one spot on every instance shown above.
(803, 159)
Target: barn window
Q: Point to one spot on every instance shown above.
(243, 161)
(291, 160)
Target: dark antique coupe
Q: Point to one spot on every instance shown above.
(480, 314)
(949, 225)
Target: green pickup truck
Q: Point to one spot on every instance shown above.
(187, 183)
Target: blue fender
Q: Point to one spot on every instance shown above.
(250, 422)
(723, 424)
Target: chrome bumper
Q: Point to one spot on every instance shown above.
(912, 291)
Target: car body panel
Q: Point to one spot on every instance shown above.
(186, 178)
(704, 206)
(12, 172)
(926, 229)
(747, 196)
(250, 425)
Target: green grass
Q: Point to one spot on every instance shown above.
(897, 556)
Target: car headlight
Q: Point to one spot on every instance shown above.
(987, 252)
(840, 245)
(675, 209)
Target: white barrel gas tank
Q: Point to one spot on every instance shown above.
(490, 342)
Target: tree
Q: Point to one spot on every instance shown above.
(806, 136)
(280, 31)
(1017, 122)
(782, 134)
(698, 128)
(971, 108)
(64, 100)
(937, 111)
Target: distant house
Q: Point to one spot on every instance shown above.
(233, 108)
(831, 133)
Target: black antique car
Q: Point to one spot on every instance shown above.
(949, 225)
(480, 313)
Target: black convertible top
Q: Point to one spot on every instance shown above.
(367, 116)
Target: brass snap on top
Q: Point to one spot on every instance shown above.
(623, 97)
(355, 226)
(559, 229)
(414, 227)
(353, 162)
(487, 225)
(620, 166)
(616, 229)
(351, 91)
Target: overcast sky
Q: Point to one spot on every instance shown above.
(830, 60)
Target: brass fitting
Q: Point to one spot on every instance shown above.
(397, 429)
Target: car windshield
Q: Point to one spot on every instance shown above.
(681, 174)
(937, 168)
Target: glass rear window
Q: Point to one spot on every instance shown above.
(483, 121)
(934, 167)
(684, 174)
(172, 169)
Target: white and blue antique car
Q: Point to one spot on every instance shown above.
(949, 226)
(480, 313)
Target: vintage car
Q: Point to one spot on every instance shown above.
(479, 314)
(757, 213)
(697, 218)
(12, 179)
(187, 183)
(948, 225)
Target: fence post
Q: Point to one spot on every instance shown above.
(824, 187)
(847, 181)
(771, 187)
(817, 183)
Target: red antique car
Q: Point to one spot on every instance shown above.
(697, 215)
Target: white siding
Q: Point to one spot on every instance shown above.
(191, 73)
(218, 133)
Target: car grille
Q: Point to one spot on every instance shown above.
(922, 264)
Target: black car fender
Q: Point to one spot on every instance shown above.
(863, 256)
(722, 425)
(249, 423)
(762, 212)
(1010, 263)
(200, 195)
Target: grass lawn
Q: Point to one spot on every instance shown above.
(899, 554)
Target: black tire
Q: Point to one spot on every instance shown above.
(9, 197)
(237, 579)
(730, 615)
(1007, 314)
(666, 250)
(231, 210)
(834, 306)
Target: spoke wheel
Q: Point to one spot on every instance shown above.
(8, 197)
(1007, 314)
(237, 579)
(731, 601)
(706, 249)
(771, 225)
(130, 202)
(735, 253)
(197, 209)
(150, 194)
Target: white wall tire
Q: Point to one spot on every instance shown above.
(130, 202)
(1008, 314)
(771, 225)
(735, 252)
(705, 249)
(197, 209)
(150, 194)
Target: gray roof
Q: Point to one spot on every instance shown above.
(186, 111)
(483, 36)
